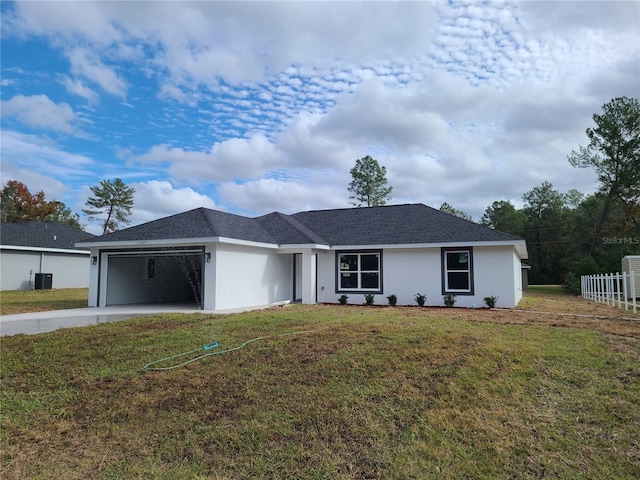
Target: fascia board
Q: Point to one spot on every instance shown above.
(165, 242)
(145, 243)
(42, 249)
(248, 243)
(298, 248)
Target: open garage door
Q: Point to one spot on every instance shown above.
(169, 276)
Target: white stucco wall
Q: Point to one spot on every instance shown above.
(497, 273)
(248, 276)
(69, 270)
(410, 271)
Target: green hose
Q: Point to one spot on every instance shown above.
(150, 366)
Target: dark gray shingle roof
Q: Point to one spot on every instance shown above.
(388, 225)
(395, 224)
(42, 235)
(198, 223)
(287, 230)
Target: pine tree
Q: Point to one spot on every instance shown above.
(369, 184)
(110, 205)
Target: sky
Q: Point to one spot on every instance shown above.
(255, 107)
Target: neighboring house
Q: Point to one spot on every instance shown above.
(218, 261)
(28, 249)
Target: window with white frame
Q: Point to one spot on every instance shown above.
(457, 271)
(359, 271)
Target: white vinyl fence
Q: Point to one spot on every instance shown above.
(615, 289)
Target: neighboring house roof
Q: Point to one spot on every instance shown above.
(386, 225)
(43, 235)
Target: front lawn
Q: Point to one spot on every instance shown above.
(390, 393)
(25, 301)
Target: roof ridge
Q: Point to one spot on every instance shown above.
(306, 231)
(358, 208)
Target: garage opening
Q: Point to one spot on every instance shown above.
(171, 276)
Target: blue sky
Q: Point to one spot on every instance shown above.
(253, 107)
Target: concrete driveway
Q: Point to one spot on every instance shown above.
(41, 322)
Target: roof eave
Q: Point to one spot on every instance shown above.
(43, 249)
(298, 247)
(165, 242)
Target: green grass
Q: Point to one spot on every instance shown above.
(546, 289)
(23, 301)
(371, 393)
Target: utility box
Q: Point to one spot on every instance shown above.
(44, 281)
(631, 263)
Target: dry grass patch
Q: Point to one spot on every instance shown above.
(390, 393)
(555, 309)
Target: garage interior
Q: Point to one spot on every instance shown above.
(155, 277)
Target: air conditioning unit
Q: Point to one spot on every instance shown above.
(44, 281)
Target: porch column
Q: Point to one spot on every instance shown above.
(209, 279)
(308, 277)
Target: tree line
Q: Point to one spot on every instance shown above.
(567, 234)
(110, 205)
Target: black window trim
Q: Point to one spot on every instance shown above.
(356, 290)
(443, 267)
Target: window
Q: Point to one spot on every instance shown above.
(457, 271)
(359, 272)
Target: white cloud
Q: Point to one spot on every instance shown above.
(270, 195)
(169, 91)
(88, 65)
(567, 17)
(89, 20)
(378, 114)
(155, 199)
(38, 111)
(228, 160)
(199, 41)
(44, 155)
(77, 87)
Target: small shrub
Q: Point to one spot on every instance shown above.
(392, 300)
(490, 301)
(420, 299)
(369, 298)
(449, 300)
(585, 265)
(572, 284)
(343, 299)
